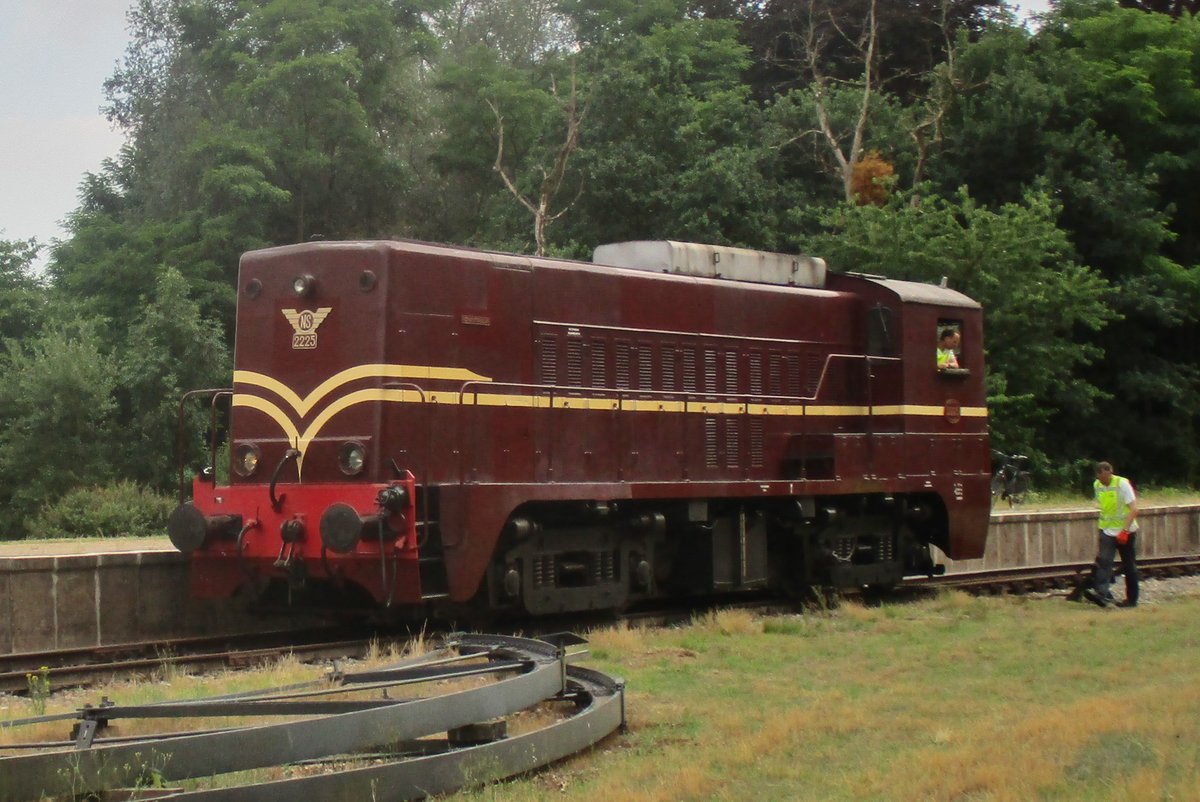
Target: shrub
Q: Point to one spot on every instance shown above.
(113, 510)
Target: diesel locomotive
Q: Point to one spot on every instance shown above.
(435, 429)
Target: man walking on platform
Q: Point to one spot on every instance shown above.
(1118, 533)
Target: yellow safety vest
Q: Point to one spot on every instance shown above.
(946, 358)
(1112, 509)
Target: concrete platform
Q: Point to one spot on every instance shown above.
(96, 598)
(1018, 539)
(62, 594)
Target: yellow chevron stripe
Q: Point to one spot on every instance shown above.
(270, 410)
(303, 406)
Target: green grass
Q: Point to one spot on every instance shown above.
(1038, 500)
(952, 698)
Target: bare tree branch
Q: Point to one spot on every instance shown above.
(945, 86)
(499, 165)
(813, 43)
(552, 179)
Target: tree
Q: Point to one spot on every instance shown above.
(1095, 108)
(1140, 82)
(520, 33)
(22, 295)
(1173, 7)
(817, 26)
(675, 147)
(309, 75)
(250, 124)
(912, 40)
(169, 350)
(57, 409)
(552, 178)
(872, 175)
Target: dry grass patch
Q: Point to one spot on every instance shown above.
(728, 622)
(951, 698)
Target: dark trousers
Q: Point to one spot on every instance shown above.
(1105, 556)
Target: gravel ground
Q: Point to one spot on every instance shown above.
(1158, 590)
(1150, 591)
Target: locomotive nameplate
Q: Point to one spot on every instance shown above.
(304, 325)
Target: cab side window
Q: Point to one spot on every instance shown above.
(948, 350)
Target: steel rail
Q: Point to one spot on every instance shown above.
(80, 665)
(294, 707)
(62, 772)
(600, 711)
(71, 656)
(311, 688)
(1056, 572)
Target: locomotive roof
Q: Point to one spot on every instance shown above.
(917, 292)
(741, 264)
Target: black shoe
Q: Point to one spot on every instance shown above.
(1095, 598)
(1127, 603)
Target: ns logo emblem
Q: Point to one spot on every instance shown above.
(304, 325)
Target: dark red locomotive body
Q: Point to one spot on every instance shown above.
(414, 423)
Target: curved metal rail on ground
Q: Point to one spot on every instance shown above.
(599, 711)
(528, 672)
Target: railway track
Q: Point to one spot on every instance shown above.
(64, 668)
(1049, 577)
(423, 725)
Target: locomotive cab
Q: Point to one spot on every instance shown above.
(309, 480)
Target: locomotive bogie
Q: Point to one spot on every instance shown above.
(434, 425)
(579, 556)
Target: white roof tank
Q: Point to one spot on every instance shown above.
(714, 261)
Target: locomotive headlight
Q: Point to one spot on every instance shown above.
(245, 459)
(304, 285)
(352, 459)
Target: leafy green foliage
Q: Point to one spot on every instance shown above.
(1090, 111)
(79, 411)
(169, 350)
(120, 509)
(1055, 172)
(251, 125)
(59, 413)
(21, 294)
(674, 147)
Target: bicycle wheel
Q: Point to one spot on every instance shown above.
(1018, 487)
(998, 483)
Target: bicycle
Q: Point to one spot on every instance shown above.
(1010, 482)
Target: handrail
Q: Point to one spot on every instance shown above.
(214, 393)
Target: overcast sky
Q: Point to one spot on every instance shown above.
(54, 58)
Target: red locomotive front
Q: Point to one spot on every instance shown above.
(413, 423)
